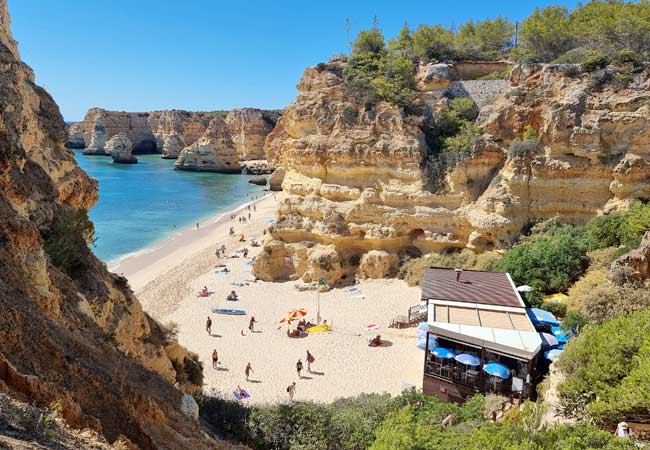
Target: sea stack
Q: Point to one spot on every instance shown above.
(120, 148)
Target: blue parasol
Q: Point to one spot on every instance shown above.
(553, 354)
(468, 359)
(548, 340)
(497, 370)
(443, 353)
(422, 343)
(542, 317)
(560, 335)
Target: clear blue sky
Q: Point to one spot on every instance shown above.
(141, 55)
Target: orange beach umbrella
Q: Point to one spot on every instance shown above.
(297, 313)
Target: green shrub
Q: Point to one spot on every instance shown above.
(607, 371)
(523, 148)
(595, 62)
(549, 262)
(557, 308)
(609, 300)
(622, 80)
(574, 322)
(66, 243)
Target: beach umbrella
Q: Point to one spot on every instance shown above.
(524, 288)
(443, 353)
(542, 317)
(560, 335)
(468, 359)
(497, 370)
(422, 343)
(548, 340)
(297, 313)
(553, 354)
(373, 327)
(286, 319)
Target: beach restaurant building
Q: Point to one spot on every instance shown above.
(479, 337)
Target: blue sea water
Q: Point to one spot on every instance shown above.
(140, 204)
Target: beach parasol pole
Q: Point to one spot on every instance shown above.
(321, 282)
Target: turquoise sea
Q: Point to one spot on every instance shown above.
(140, 204)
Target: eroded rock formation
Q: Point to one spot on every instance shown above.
(78, 337)
(354, 179)
(213, 152)
(76, 135)
(169, 132)
(120, 148)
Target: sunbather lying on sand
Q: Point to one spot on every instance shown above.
(376, 341)
(232, 297)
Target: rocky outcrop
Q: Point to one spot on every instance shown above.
(634, 266)
(275, 183)
(355, 180)
(71, 332)
(259, 181)
(213, 152)
(378, 264)
(120, 149)
(248, 129)
(257, 167)
(76, 135)
(169, 132)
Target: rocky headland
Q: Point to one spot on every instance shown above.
(168, 133)
(71, 333)
(358, 194)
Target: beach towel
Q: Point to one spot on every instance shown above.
(356, 297)
(353, 289)
(222, 273)
(203, 295)
(242, 396)
(228, 299)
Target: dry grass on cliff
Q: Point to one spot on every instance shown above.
(412, 270)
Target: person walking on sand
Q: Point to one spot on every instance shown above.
(251, 324)
(208, 326)
(248, 371)
(310, 359)
(215, 358)
(197, 225)
(299, 368)
(291, 389)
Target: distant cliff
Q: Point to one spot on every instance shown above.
(356, 180)
(71, 333)
(169, 132)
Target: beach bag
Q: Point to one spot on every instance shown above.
(311, 359)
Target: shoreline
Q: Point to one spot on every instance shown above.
(143, 266)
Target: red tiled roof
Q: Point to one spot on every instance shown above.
(487, 288)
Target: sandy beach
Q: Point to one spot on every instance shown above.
(168, 278)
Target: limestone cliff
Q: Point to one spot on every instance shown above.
(77, 337)
(248, 129)
(355, 182)
(215, 151)
(120, 148)
(169, 132)
(76, 135)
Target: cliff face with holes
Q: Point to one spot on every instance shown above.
(79, 337)
(354, 180)
(169, 132)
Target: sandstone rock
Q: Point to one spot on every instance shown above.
(169, 132)
(257, 167)
(248, 129)
(378, 264)
(213, 152)
(120, 148)
(277, 178)
(634, 266)
(80, 338)
(189, 407)
(359, 185)
(76, 135)
(260, 181)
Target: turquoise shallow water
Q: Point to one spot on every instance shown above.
(140, 204)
